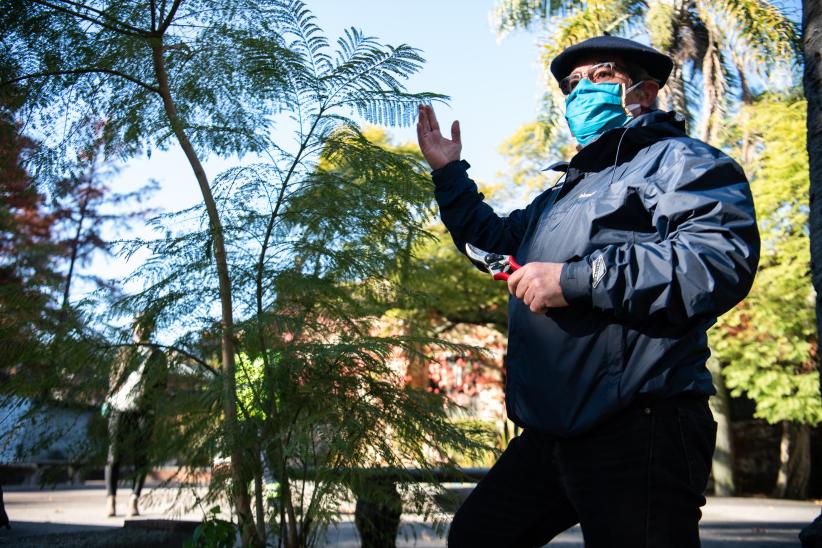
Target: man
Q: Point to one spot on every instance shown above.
(626, 263)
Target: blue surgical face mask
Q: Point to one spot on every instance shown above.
(592, 109)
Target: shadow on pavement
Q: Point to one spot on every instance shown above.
(27, 534)
(749, 535)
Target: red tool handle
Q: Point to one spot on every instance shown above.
(504, 275)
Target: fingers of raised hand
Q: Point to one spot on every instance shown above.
(455, 131)
(432, 118)
(422, 120)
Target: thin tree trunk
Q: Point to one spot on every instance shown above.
(293, 538)
(794, 461)
(784, 455)
(277, 460)
(799, 464)
(416, 366)
(258, 494)
(242, 499)
(722, 467)
(273, 412)
(75, 248)
(64, 307)
(712, 95)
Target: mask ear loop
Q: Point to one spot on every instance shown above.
(629, 109)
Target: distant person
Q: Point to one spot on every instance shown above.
(626, 263)
(137, 382)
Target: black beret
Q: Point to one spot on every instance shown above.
(656, 63)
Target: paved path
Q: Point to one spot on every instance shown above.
(727, 522)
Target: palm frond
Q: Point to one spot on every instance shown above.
(757, 28)
(510, 15)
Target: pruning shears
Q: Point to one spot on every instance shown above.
(500, 266)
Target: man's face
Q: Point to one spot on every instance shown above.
(611, 69)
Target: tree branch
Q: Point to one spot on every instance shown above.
(112, 20)
(91, 70)
(171, 13)
(123, 28)
(184, 353)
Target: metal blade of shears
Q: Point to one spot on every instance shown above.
(477, 255)
(500, 266)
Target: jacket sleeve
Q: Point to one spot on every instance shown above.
(469, 219)
(706, 254)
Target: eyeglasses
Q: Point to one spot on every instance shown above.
(595, 74)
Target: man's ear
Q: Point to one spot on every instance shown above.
(647, 93)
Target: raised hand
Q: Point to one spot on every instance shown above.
(437, 150)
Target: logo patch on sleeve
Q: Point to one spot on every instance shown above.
(597, 271)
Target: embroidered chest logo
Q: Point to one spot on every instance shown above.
(597, 271)
(587, 194)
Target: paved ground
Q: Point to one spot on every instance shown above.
(67, 511)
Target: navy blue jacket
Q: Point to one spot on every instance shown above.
(658, 236)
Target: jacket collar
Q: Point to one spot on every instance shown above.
(638, 133)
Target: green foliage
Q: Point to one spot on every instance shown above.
(530, 150)
(319, 235)
(451, 290)
(101, 54)
(768, 344)
(485, 434)
(761, 30)
(658, 22)
(50, 351)
(332, 404)
(213, 532)
(250, 375)
(28, 253)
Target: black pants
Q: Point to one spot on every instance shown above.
(4, 518)
(635, 481)
(129, 438)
